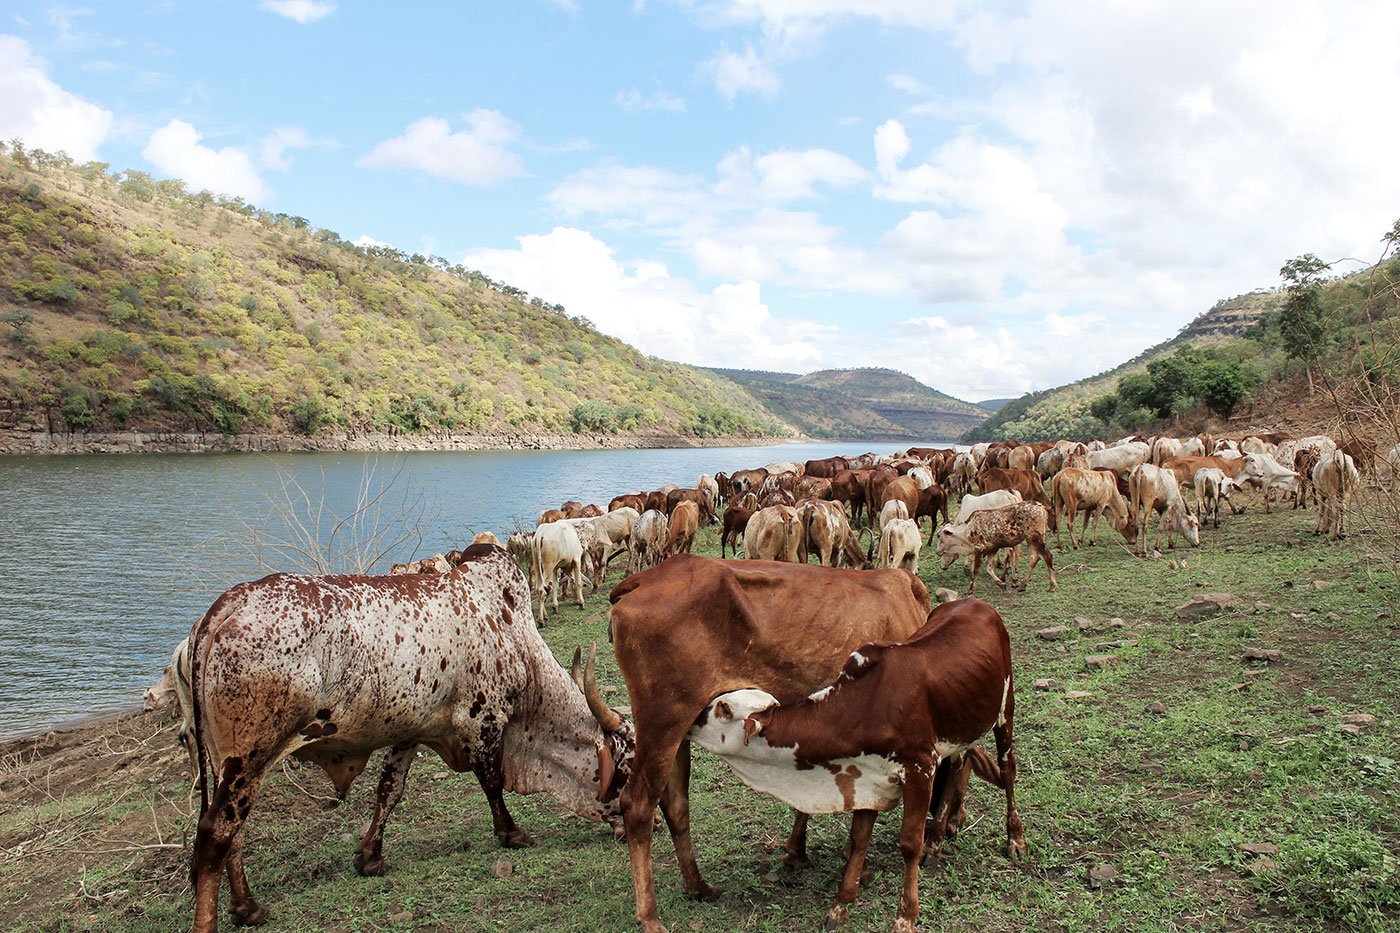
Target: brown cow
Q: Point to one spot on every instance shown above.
(812, 487)
(736, 519)
(1092, 492)
(693, 628)
(900, 489)
(826, 468)
(847, 488)
(933, 502)
(899, 716)
(685, 517)
(702, 503)
(1026, 482)
(630, 500)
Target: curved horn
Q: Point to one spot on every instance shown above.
(576, 668)
(607, 717)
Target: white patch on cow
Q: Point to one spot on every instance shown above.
(822, 693)
(1005, 692)
(950, 749)
(859, 658)
(873, 782)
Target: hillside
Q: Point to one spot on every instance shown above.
(128, 303)
(1064, 411)
(867, 403)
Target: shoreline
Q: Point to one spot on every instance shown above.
(38, 734)
(43, 443)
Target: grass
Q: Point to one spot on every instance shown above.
(1237, 752)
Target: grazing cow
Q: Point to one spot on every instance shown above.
(174, 684)
(655, 501)
(736, 519)
(584, 511)
(1267, 474)
(613, 534)
(1362, 451)
(1120, 459)
(702, 503)
(824, 531)
(1239, 469)
(961, 475)
(1212, 485)
(1050, 462)
(898, 718)
(330, 669)
(900, 541)
(726, 488)
(1026, 482)
(1304, 462)
(519, 544)
(706, 484)
(1319, 444)
(630, 500)
(777, 497)
(745, 480)
(1021, 458)
(847, 488)
(901, 489)
(1163, 449)
(649, 534)
(933, 501)
(1155, 489)
(922, 477)
(812, 487)
(895, 508)
(992, 530)
(774, 533)
(549, 516)
(1092, 492)
(555, 547)
(680, 537)
(1335, 479)
(971, 505)
(694, 628)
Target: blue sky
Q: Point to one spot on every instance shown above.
(991, 197)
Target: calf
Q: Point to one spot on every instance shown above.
(989, 531)
(901, 722)
(1212, 485)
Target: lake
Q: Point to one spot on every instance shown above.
(112, 557)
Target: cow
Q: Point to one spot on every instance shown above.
(1021, 458)
(1163, 449)
(694, 628)
(1335, 479)
(962, 474)
(992, 530)
(812, 487)
(1319, 444)
(549, 516)
(1267, 474)
(933, 501)
(900, 541)
(1362, 451)
(555, 547)
(1120, 459)
(1388, 468)
(971, 505)
(702, 503)
(1304, 462)
(784, 466)
(847, 488)
(824, 531)
(774, 533)
(1026, 482)
(1155, 489)
(519, 544)
(481, 537)
(826, 468)
(649, 534)
(736, 519)
(745, 480)
(900, 716)
(776, 497)
(902, 489)
(613, 534)
(706, 484)
(630, 500)
(1239, 469)
(680, 536)
(438, 563)
(1212, 485)
(174, 684)
(331, 669)
(1050, 462)
(726, 488)
(893, 509)
(1092, 492)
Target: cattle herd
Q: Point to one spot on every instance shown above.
(833, 687)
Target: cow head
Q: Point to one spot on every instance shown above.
(952, 544)
(619, 748)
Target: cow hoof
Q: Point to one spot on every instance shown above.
(705, 892)
(515, 839)
(835, 917)
(369, 867)
(1016, 850)
(254, 914)
(797, 861)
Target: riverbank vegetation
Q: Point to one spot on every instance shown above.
(1223, 785)
(128, 302)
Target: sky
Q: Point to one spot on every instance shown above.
(991, 197)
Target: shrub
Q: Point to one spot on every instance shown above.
(593, 415)
(77, 411)
(308, 413)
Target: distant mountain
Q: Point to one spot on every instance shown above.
(867, 403)
(994, 404)
(1064, 410)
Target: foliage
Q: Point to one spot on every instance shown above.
(593, 415)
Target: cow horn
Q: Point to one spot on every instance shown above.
(607, 717)
(576, 668)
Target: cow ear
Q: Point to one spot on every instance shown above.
(723, 713)
(750, 727)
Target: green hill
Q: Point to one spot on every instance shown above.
(868, 403)
(128, 303)
(1064, 411)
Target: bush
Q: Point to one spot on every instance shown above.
(593, 415)
(308, 413)
(77, 411)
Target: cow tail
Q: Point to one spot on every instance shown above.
(222, 609)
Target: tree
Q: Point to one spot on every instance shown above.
(1300, 320)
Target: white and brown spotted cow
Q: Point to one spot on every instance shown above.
(330, 669)
(992, 530)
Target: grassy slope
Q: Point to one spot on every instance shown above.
(1243, 753)
(152, 309)
(859, 403)
(1064, 411)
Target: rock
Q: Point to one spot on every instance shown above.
(1317, 710)
(403, 916)
(1077, 694)
(1260, 866)
(1321, 584)
(1083, 623)
(1358, 719)
(1206, 605)
(696, 923)
(1100, 660)
(945, 595)
(1116, 622)
(1259, 848)
(771, 877)
(502, 869)
(1350, 728)
(1334, 616)
(1263, 654)
(1054, 631)
(1101, 875)
(1262, 607)
(1157, 707)
(1045, 683)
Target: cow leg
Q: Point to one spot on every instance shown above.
(215, 847)
(862, 822)
(656, 755)
(578, 583)
(796, 855)
(976, 566)
(1006, 760)
(369, 858)
(675, 806)
(1038, 547)
(508, 834)
(918, 792)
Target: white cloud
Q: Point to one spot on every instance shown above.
(38, 111)
(303, 11)
(734, 73)
(634, 101)
(365, 239)
(480, 154)
(175, 150)
(277, 146)
(648, 307)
